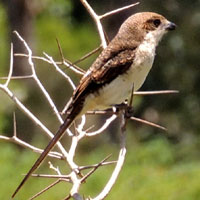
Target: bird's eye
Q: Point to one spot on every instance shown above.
(156, 22)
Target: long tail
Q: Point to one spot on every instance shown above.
(51, 144)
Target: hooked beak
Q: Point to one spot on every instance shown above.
(170, 26)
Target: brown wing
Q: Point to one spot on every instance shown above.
(102, 72)
(118, 65)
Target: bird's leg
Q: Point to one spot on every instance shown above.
(120, 106)
(129, 110)
(125, 106)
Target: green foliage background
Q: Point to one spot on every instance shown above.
(163, 166)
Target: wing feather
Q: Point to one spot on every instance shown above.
(102, 72)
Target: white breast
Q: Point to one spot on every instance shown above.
(119, 89)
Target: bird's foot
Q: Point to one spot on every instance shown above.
(126, 108)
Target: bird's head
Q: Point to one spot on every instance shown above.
(139, 25)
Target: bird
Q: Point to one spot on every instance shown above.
(124, 63)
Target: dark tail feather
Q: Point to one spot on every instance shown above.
(51, 144)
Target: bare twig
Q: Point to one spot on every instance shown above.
(11, 66)
(61, 72)
(36, 58)
(88, 55)
(95, 168)
(16, 140)
(47, 188)
(75, 187)
(120, 160)
(18, 77)
(97, 20)
(73, 67)
(143, 93)
(148, 123)
(67, 177)
(105, 125)
(68, 64)
(30, 115)
(65, 60)
(14, 126)
(56, 169)
(95, 165)
(68, 197)
(109, 120)
(114, 175)
(118, 10)
(60, 49)
(45, 93)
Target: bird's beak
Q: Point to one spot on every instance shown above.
(170, 26)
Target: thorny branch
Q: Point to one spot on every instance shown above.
(75, 177)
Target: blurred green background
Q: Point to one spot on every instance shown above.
(159, 165)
